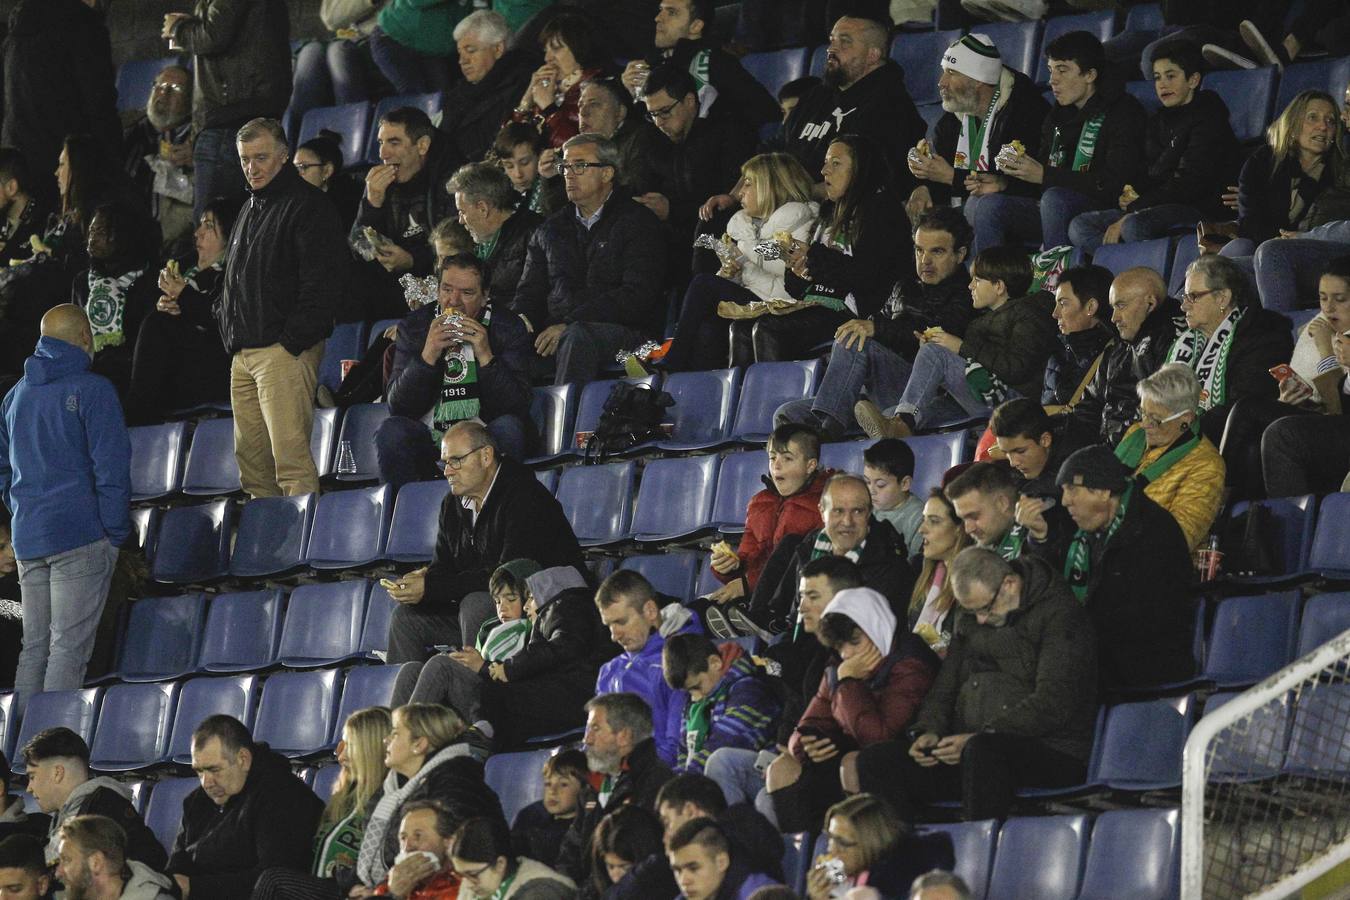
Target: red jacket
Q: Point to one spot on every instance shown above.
(769, 518)
(441, 886)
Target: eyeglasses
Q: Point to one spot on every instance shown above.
(1154, 422)
(170, 88)
(580, 168)
(454, 462)
(305, 167)
(985, 609)
(474, 875)
(1191, 297)
(665, 112)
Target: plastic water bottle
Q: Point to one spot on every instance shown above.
(346, 461)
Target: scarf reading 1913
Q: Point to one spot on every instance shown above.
(459, 398)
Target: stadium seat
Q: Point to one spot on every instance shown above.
(1325, 616)
(1155, 254)
(1143, 92)
(428, 103)
(1186, 253)
(767, 386)
(1135, 854)
(930, 113)
(843, 456)
(517, 778)
(776, 67)
(552, 409)
(297, 711)
(323, 624)
(1102, 24)
(973, 845)
(1140, 747)
(133, 726)
(212, 470)
(596, 500)
(157, 453)
(161, 639)
(417, 512)
(1018, 44)
(675, 498)
(920, 55)
(705, 582)
(145, 523)
(796, 860)
(1144, 17)
(548, 478)
(140, 793)
(164, 809)
(194, 543)
(348, 341)
(365, 686)
(1039, 857)
(377, 330)
(1329, 555)
(669, 573)
(202, 697)
(1290, 531)
(242, 632)
(1317, 745)
(705, 404)
(136, 81)
(591, 403)
(351, 121)
(817, 67)
(1250, 95)
(351, 527)
(359, 426)
(323, 440)
(76, 710)
(273, 535)
(325, 780)
(738, 479)
(1255, 748)
(934, 454)
(9, 723)
(1329, 75)
(375, 631)
(1252, 637)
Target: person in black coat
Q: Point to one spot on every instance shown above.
(1083, 311)
(496, 511)
(251, 813)
(476, 366)
(474, 108)
(499, 224)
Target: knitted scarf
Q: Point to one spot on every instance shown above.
(107, 306)
(823, 546)
(1209, 358)
(972, 147)
(459, 398)
(1078, 563)
(1085, 149)
(1133, 447)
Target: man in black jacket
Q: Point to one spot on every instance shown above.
(457, 359)
(496, 511)
(474, 109)
(1005, 511)
(286, 266)
(874, 353)
(501, 230)
(250, 814)
(594, 270)
(605, 109)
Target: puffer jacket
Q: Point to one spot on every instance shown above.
(770, 517)
(410, 211)
(1069, 365)
(507, 262)
(1192, 156)
(744, 711)
(915, 306)
(242, 68)
(1191, 490)
(765, 276)
(1034, 676)
(1014, 342)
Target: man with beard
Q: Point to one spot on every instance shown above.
(92, 864)
(158, 154)
(24, 217)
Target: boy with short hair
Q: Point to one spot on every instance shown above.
(502, 637)
(701, 859)
(888, 468)
(730, 704)
(538, 830)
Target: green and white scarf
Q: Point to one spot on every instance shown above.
(700, 69)
(985, 384)
(1133, 446)
(1010, 547)
(1087, 145)
(824, 294)
(1078, 563)
(972, 147)
(485, 250)
(107, 307)
(823, 546)
(459, 398)
(504, 640)
(698, 720)
(1209, 358)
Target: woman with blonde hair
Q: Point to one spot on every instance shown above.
(869, 844)
(775, 196)
(931, 602)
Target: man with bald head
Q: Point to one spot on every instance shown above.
(65, 476)
(1147, 321)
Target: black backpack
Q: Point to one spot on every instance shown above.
(632, 414)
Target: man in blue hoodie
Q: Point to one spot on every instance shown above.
(65, 475)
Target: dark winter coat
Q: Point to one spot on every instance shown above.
(740, 96)
(410, 211)
(642, 155)
(1020, 112)
(1263, 339)
(706, 163)
(472, 114)
(1119, 157)
(1191, 155)
(1069, 364)
(1264, 192)
(1015, 341)
(507, 263)
(915, 306)
(882, 251)
(243, 60)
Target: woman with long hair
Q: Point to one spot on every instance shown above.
(573, 55)
(623, 839)
(481, 853)
(869, 844)
(319, 162)
(931, 602)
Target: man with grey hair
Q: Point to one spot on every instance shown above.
(487, 209)
(494, 77)
(605, 108)
(1013, 704)
(939, 885)
(595, 270)
(158, 154)
(284, 275)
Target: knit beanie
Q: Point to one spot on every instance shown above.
(974, 56)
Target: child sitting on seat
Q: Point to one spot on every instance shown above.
(888, 467)
(538, 830)
(502, 637)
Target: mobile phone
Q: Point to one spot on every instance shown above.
(1282, 372)
(440, 648)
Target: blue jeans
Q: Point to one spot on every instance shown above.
(733, 768)
(217, 173)
(1087, 229)
(408, 71)
(63, 597)
(1000, 220)
(937, 392)
(881, 370)
(405, 451)
(1288, 270)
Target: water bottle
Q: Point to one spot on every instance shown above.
(346, 461)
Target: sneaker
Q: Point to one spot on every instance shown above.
(1020, 10)
(1220, 58)
(1257, 43)
(876, 424)
(717, 624)
(746, 626)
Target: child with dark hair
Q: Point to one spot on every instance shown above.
(538, 830)
(517, 150)
(888, 467)
(502, 636)
(623, 839)
(790, 94)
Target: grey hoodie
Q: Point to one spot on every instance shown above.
(73, 803)
(147, 884)
(547, 584)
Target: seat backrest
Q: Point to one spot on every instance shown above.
(428, 103)
(417, 510)
(973, 846)
(325, 780)
(919, 53)
(76, 710)
(775, 68)
(704, 404)
(162, 638)
(242, 631)
(551, 410)
(1101, 24)
(1155, 254)
(1329, 75)
(323, 623)
(738, 480)
(1316, 744)
(358, 427)
(1018, 44)
(817, 66)
(351, 527)
(1290, 529)
(1325, 616)
(843, 456)
(133, 726)
(1141, 744)
(1331, 542)
(1250, 95)
(9, 722)
(548, 478)
(194, 543)
(323, 439)
(675, 497)
(145, 522)
(211, 465)
(596, 500)
(273, 535)
(1252, 637)
(1185, 253)
(1144, 17)
(297, 711)
(934, 454)
(670, 573)
(351, 121)
(199, 698)
(1039, 857)
(1134, 853)
(1143, 92)
(767, 386)
(365, 686)
(164, 809)
(517, 778)
(157, 453)
(1256, 747)
(379, 610)
(348, 341)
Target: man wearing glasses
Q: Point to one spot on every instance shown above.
(158, 153)
(594, 271)
(496, 511)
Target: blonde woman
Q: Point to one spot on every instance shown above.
(775, 196)
(871, 846)
(931, 602)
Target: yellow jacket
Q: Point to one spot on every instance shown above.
(1191, 490)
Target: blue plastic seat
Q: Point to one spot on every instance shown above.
(200, 698)
(591, 403)
(973, 846)
(738, 479)
(1101, 24)
(157, 453)
(1250, 95)
(1330, 552)
(351, 121)
(548, 478)
(145, 524)
(1290, 530)
(365, 686)
(76, 710)
(140, 793)
(1143, 92)
(348, 341)
(1141, 744)
(817, 66)
(242, 632)
(1325, 616)
(1144, 17)
(669, 573)
(675, 498)
(767, 386)
(919, 53)
(1252, 637)
(596, 500)
(9, 730)
(194, 544)
(1018, 43)
(517, 778)
(136, 81)
(934, 454)
(1253, 748)
(297, 711)
(325, 780)
(552, 409)
(428, 103)
(1317, 745)
(417, 511)
(1155, 254)
(705, 404)
(164, 808)
(1040, 858)
(162, 638)
(323, 624)
(705, 581)
(1135, 854)
(133, 726)
(377, 330)
(776, 68)
(796, 860)
(1328, 75)
(379, 610)
(359, 426)
(212, 470)
(1186, 253)
(273, 535)
(843, 456)
(351, 527)
(323, 439)
(930, 113)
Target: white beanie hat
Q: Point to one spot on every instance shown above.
(974, 56)
(870, 611)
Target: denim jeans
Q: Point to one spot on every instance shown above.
(937, 391)
(63, 597)
(1087, 229)
(216, 170)
(733, 768)
(409, 71)
(1000, 220)
(876, 367)
(1288, 270)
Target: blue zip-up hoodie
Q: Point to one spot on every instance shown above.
(65, 456)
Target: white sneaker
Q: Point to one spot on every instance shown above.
(1220, 58)
(988, 11)
(1257, 43)
(1021, 10)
